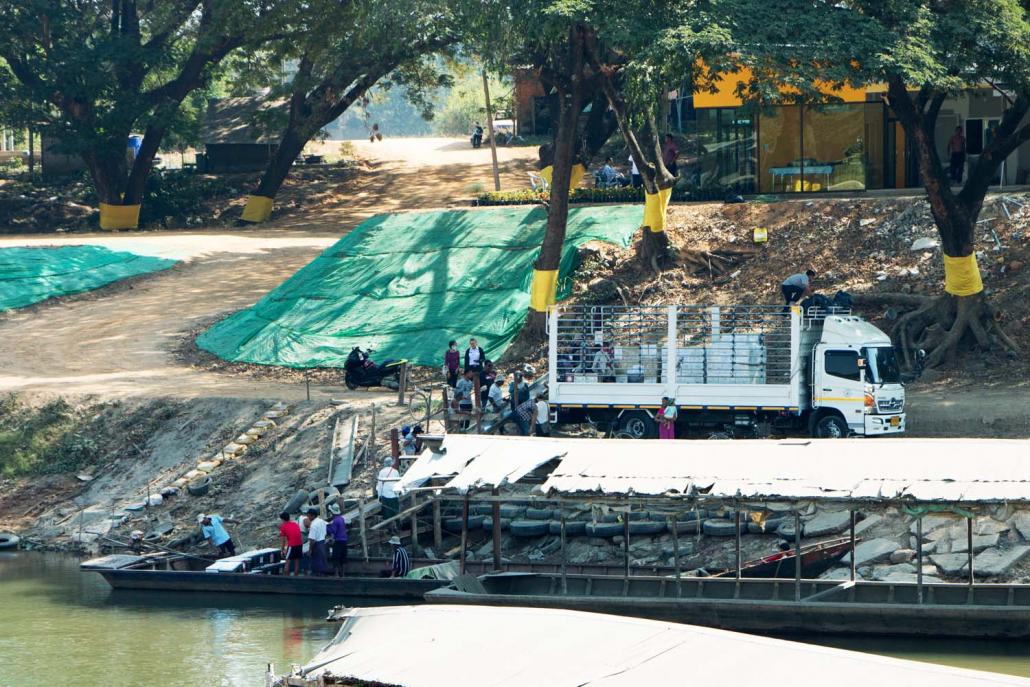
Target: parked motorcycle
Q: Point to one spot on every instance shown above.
(477, 137)
(361, 370)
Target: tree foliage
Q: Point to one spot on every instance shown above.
(89, 72)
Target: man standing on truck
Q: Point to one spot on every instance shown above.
(797, 286)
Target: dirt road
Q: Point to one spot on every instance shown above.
(121, 341)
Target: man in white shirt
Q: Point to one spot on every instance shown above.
(474, 357)
(543, 417)
(385, 489)
(495, 398)
(797, 286)
(316, 542)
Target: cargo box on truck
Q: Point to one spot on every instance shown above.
(744, 370)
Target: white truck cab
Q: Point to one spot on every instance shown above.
(855, 381)
(736, 370)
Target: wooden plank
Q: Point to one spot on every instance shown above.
(343, 452)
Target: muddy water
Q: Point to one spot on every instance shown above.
(58, 626)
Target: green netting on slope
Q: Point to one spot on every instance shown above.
(406, 284)
(31, 275)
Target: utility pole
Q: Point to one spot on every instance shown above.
(490, 124)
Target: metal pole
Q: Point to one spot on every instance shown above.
(853, 545)
(464, 534)
(969, 544)
(307, 385)
(676, 554)
(564, 572)
(496, 517)
(919, 560)
(625, 538)
(738, 544)
(490, 128)
(437, 525)
(414, 524)
(797, 556)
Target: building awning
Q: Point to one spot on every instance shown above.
(419, 646)
(948, 471)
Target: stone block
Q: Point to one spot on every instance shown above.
(951, 564)
(827, 522)
(870, 520)
(981, 542)
(872, 551)
(994, 562)
(985, 526)
(902, 556)
(1021, 521)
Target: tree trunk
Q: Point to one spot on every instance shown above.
(143, 165)
(290, 146)
(570, 104)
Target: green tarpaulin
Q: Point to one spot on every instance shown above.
(31, 275)
(405, 284)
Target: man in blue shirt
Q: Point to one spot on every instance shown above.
(213, 530)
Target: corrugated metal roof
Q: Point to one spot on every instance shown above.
(480, 461)
(930, 470)
(429, 645)
(948, 470)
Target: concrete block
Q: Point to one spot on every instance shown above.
(994, 562)
(872, 551)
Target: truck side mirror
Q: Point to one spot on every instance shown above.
(861, 363)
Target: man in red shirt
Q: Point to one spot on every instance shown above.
(291, 542)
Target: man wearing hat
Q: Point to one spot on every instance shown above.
(495, 397)
(385, 484)
(401, 560)
(214, 531)
(337, 529)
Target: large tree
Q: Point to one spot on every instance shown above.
(345, 49)
(924, 51)
(90, 72)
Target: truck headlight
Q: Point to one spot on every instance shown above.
(870, 403)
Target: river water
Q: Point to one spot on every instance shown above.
(60, 626)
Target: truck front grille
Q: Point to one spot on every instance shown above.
(890, 405)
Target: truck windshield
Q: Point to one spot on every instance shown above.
(883, 365)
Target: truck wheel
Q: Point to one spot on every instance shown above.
(637, 425)
(831, 427)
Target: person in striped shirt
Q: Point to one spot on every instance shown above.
(401, 560)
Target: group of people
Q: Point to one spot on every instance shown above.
(327, 541)
(609, 176)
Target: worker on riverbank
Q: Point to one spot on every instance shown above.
(385, 483)
(337, 529)
(316, 527)
(291, 543)
(214, 531)
(401, 564)
(797, 286)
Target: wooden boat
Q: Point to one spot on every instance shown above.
(255, 572)
(766, 605)
(815, 560)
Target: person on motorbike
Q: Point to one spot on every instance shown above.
(477, 135)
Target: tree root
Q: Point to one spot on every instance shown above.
(944, 325)
(653, 249)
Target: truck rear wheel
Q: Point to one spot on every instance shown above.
(637, 424)
(830, 427)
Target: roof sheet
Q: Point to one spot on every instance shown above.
(419, 646)
(935, 470)
(951, 470)
(480, 461)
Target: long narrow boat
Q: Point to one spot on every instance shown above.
(256, 572)
(766, 605)
(815, 560)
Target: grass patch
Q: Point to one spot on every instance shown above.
(42, 440)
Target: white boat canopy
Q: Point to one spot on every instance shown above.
(433, 645)
(945, 471)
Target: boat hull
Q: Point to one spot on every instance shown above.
(768, 606)
(191, 581)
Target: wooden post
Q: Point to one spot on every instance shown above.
(477, 406)
(403, 385)
(307, 385)
(919, 559)
(464, 534)
(414, 524)
(490, 125)
(437, 526)
(797, 555)
(372, 436)
(564, 571)
(395, 447)
(853, 564)
(32, 155)
(676, 555)
(361, 529)
(496, 517)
